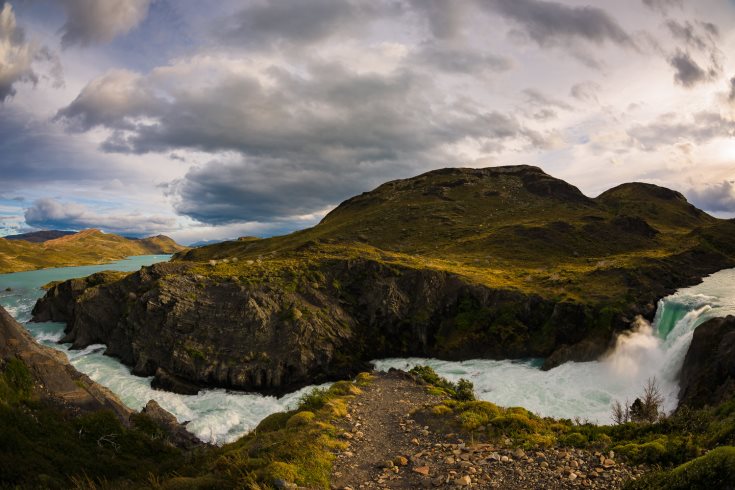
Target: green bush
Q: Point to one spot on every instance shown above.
(464, 390)
(715, 470)
(314, 400)
(300, 418)
(575, 439)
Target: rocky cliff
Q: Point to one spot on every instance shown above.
(708, 374)
(54, 379)
(459, 263)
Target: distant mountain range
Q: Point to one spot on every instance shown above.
(53, 248)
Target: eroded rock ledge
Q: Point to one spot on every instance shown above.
(277, 335)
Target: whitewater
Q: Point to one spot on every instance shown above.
(586, 390)
(572, 390)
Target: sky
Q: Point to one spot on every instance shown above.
(213, 120)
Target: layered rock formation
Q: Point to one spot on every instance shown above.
(708, 374)
(54, 379)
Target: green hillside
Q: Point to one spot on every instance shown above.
(513, 227)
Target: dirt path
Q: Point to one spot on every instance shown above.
(388, 449)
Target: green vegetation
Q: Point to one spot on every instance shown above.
(43, 447)
(716, 469)
(462, 391)
(83, 248)
(296, 446)
(693, 447)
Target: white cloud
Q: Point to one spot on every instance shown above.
(50, 213)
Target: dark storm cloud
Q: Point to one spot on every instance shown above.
(50, 213)
(539, 99)
(444, 18)
(686, 71)
(663, 6)
(297, 22)
(449, 59)
(95, 21)
(731, 96)
(715, 197)
(670, 129)
(701, 36)
(34, 153)
(325, 133)
(552, 23)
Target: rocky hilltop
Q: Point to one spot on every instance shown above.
(456, 263)
(38, 251)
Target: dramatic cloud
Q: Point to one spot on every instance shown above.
(552, 23)
(100, 21)
(731, 96)
(112, 100)
(49, 213)
(701, 37)
(690, 34)
(586, 91)
(326, 125)
(716, 197)
(450, 59)
(296, 22)
(687, 72)
(671, 129)
(17, 55)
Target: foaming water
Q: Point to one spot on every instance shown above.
(216, 415)
(587, 390)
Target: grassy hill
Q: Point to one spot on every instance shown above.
(511, 227)
(83, 248)
(39, 236)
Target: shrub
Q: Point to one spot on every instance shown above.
(465, 390)
(575, 439)
(716, 469)
(441, 410)
(300, 418)
(314, 400)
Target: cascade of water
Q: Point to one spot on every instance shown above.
(586, 390)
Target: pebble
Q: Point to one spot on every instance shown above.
(463, 481)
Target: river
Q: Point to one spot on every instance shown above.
(572, 390)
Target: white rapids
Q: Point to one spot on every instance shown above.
(586, 390)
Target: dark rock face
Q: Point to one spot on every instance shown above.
(55, 380)
(180, 437)
(168, 321)
(708, 374)
(163, 380)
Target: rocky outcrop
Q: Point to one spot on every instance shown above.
(708, 374)
(281, 333)
(55, 380)
(176, 432)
